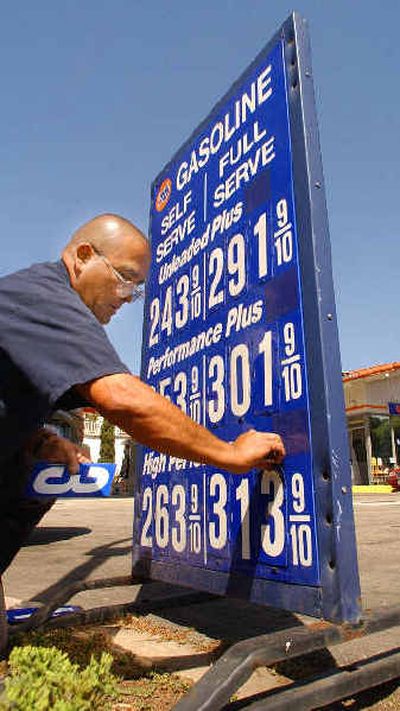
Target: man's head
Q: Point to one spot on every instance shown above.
(107, 259)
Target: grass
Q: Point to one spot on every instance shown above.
(156, 691)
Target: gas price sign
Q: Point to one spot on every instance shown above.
(240, 333)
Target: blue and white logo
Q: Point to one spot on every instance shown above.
(54, 480)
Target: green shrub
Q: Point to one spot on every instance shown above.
(107, 442)
(44, 678)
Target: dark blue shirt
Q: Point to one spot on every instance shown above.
(49, 342)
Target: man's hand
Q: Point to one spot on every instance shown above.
(50, 447)
(252, 449)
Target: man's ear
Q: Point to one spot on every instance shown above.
(84, 252)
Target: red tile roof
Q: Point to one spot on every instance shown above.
(372, 370)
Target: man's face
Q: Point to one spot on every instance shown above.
(102, 278)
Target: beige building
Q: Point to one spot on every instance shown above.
(371, 396)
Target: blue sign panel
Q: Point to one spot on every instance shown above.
(394, 408)
(233, 339)
(54, 480)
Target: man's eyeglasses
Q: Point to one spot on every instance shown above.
(125, 287)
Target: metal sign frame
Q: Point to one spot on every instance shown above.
(337, 595)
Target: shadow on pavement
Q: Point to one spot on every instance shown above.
(230, 620)
(49, 534)
(96, 557)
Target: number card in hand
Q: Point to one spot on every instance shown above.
(54, 480)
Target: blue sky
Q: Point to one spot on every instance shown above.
(97, 95)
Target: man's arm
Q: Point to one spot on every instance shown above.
(154, 421)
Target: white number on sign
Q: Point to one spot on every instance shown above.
(194, 498)
(195, 395)
(283, 237)
(195, 308)
(166, 321)
(182, 292)
(292, 381)
(236, 265)
(265, 348)
(196, 277)
(195, 536)
(164, 385)
(260, 231)
(291, 373)
(298, 493)
(154, 319)
(282, 212)
(240, 379)
(216, 371)
(273, 536)
(195, 379)
(301, 544)
(218, 532)
(289, 339)
(147, 506)
(180, 388)
(242, 495)
(161, 516)
(216, 268)
(178, 536)
(284, 247)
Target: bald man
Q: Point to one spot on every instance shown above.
(54, 354)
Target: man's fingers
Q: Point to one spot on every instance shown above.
(73, 465)
(273, 457)
(276, 454)
(72, 457)
(77, 457)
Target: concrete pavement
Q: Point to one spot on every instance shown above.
(79, 539)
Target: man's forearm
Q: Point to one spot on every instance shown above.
(165, 428)
(154, 421)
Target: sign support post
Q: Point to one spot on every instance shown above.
(339, 572)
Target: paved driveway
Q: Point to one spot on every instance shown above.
(80, 539)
